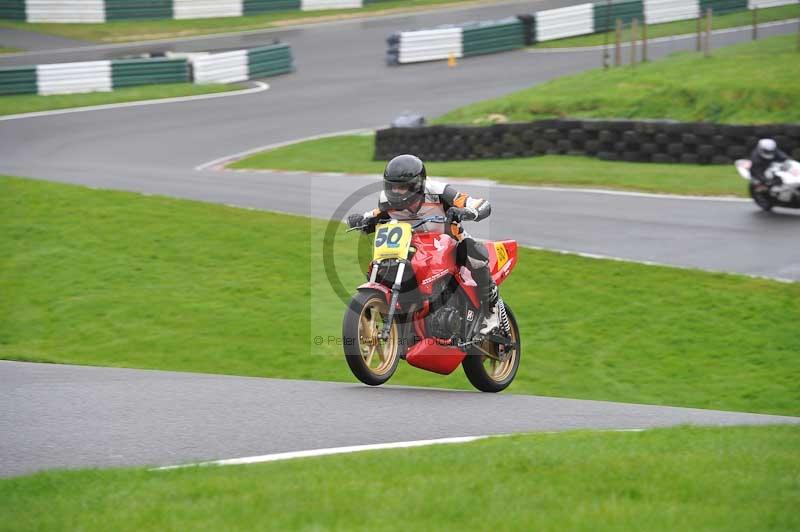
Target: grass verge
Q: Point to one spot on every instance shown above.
(118, 279)
(144, 30)
(751, 83)
(353, 154)
(681, 27)
(30, 103)
(736, 478)
(8, 50)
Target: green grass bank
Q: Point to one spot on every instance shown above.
(741, 478)
(353, 154)
(752, 83)
(118, 279)
(30, 103)
(684, 86)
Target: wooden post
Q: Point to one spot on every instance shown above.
(709, 17)
(644, 41)
(618, 44)
(699, 43)
(605, 34)
(755, 24)
(634, 36)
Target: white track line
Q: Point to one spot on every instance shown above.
(361, 448)
(218, 163)
(326, 452)
(259, 87)
(658, 40)
(610, 192)
(597, 256)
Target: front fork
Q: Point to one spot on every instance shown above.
(398, 281)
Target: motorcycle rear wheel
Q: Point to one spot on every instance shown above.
(488, 374)
(761, 199)
(373, 361)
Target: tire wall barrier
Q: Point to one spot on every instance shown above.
(133, 72)
(486, 37)
(77, 11)
(12, 9)
(91, 76)
(241, 65)
(619, 140)
(723, 7)
(605, 16)
(102, 76)
(18, 80)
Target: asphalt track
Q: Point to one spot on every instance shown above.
(344, 84)
(58, 416)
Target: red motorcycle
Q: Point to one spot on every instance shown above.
(419, 305)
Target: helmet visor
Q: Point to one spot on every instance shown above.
(402, 194)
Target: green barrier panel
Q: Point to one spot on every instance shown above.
(494, 37)
(132, 72)
(138, 9)
(18, 80)
(720, 7)
(605, 15)
(269, 61)
(252, 7)
(12, 9)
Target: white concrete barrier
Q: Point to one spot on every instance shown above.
(565, 22)
(430, 45)
(752, 4)
(312, 5)
(226, 67)
(188, 9)
(659, 11)
(65, 10)
(67, 78)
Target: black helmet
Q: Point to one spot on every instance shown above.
(404, 181)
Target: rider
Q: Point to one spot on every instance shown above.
(765, 153)
(408, 194)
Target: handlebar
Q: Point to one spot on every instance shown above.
(434, 219)
(423, 221)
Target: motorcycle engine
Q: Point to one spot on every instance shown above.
(445, 322)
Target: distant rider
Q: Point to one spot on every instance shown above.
(765, 153)
(408, 194)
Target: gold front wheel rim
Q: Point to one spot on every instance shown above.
(378, 355)
(498, 370)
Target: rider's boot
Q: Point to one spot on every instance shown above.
(487, 293)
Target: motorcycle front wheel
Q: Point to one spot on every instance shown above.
(495, 371)
(372, 360)
(762, 199)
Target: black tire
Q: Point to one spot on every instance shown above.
(761, 199)
(475, 369)
(364, 302)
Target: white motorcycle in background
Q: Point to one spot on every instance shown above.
(784, 190)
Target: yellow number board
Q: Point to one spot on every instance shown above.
(502, 254)
(392, 241)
